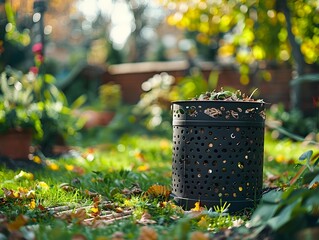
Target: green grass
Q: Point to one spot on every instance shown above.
(111, 167)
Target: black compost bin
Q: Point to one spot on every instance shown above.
(218, 151)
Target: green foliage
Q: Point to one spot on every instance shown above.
(112, 172)
(33, 102)
(18, 108)
(288, 212)
(251, 31)
(110, 96)
(153, 109)
(12, 33)
(290, 121)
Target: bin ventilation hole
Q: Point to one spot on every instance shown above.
(198, 175)
(234, 114)
(213, 112)
(240, 165)
(250, 110)
(192, 111)
(210, 171)
(210, 145)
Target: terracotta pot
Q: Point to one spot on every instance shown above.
(96, 118)
(15, 144)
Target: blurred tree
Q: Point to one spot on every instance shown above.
(254, 32)
(146, 18)
(14, 36)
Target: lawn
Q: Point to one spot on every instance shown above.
(119, 189)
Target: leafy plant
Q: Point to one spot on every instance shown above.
(18, 108)
(290, 121)
(225, 95)
(153, 109)
(30, 101)
(288, 212)
(110, 96)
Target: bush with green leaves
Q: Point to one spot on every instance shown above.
(291, 213)
(18, 108)
(32, 101)
(291, 120)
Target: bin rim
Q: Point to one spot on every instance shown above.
(219, 101)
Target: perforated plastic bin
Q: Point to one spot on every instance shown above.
(218, 151)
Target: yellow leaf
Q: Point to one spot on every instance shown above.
(94, 210)
(32, 204)
(165, 145)
(69, 167)
(24, 176)
(52, 166)
(197, 207)
(280, 158)
(203, 223)
(42, 185)
(37, 159)
(143, 168)
(10, 193)
(157, 191)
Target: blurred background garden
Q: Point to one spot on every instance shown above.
(92, 83)
(119, 46)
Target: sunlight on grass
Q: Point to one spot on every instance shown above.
(123, 172)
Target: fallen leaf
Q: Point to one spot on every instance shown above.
(197, 207)
(69, 167)
(32, 204)
(203, 223)
(147, 233)
(24, 176)
(51, 165)
(67, 187)
(119, 210)
(9, 193)
(139, 156)
(143, 168)
(199, 236)
(78, 237)
(79, 214)
(78, 170)
(20, 221)
(146, 219)
(118, 236)
(90, 194)
(94, 210)
(158, 191)
(37, 159)
(42, 185)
